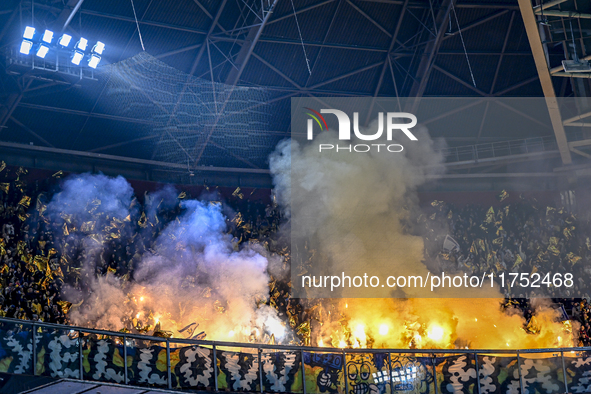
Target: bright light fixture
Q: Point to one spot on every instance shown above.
(47, 36)
(82, 44)
(26, 47)
(77, 58)
(94, 61)
(29, 33)
(65, 40)
(42, 51)
(99, 48)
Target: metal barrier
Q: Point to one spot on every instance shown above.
(174, 363)
(491, 150)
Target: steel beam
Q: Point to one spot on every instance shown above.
(177, 51)
(386, 61)
(369, 18)
(567, 14)
(214, 23)
(425, 5)
(517, 85)
(11, 104)
(276, 70)
(151, 163)
(535, 42)
(305, 9)
(28, 130)
(127, 19)
(119, 144)
(204, 46)
(459, 80)
(9, 22)
(68, 13)
(328, 30)
(572, 75)
(538, 9)
(247, 48)
(85, 114)
(425, 66)
(205, 11)
(234, 75)
(299, 43)
(494, 82)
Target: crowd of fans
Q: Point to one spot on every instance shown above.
(524, 236)
(36, 261)
(548, 244)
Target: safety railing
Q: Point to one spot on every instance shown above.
(475, 153)
(58, 351)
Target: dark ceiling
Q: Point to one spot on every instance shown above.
(473, 48)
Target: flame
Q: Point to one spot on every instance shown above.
(381, 323)
(435, 333)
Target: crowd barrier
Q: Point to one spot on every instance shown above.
(95, 355)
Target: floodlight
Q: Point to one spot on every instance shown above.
(42, 51)
(99, 48)
(47, 36)
(77, 57)
(29, 33)
(65, 40)
(576, 66)
(26, 47)
(82, 44)
(94, 61)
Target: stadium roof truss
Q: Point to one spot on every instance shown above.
(300, 48)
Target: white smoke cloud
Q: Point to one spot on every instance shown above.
(351, 206)
(192, 271)
(352, 209)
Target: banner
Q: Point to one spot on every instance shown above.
(58, 356)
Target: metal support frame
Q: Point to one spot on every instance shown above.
(51, 327)
(168, 371)
(520, 373)
(303, 371)
(476, 366)
(204, 45)
(231, 35)
(494, 82)
(386, 60)
(248, 47)
(234, 77)
(214, 23)
(345, 376)
(459, 80)
(390, 372)
(12, 103)
(425, 65)
(564, 372)
(68, 13)
(34, 337)
(434, 364)
(215, 367)
(125, 377)
(80, 355)
(262, 389)
(535, 41)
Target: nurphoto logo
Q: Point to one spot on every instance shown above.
(395, 121)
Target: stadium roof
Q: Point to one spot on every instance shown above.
(307, 48)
